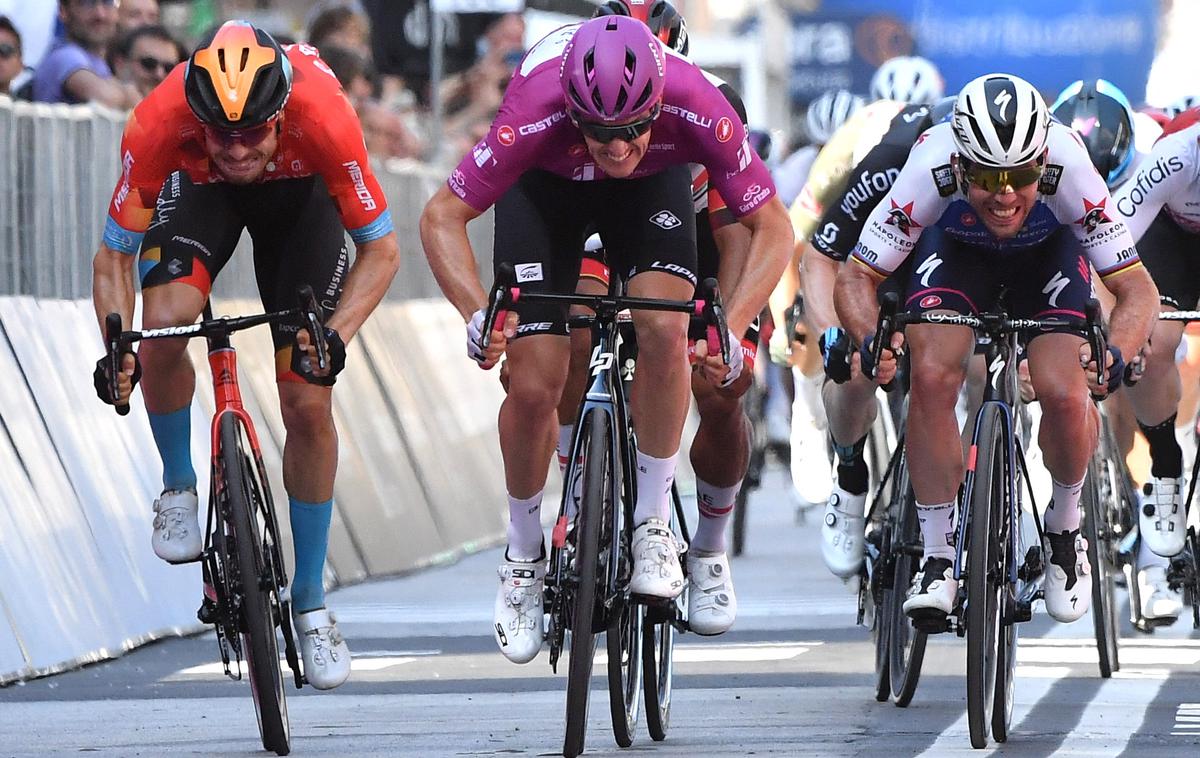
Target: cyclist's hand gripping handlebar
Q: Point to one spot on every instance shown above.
(872, 352)
(1110, 376)
(112, 369)
(504, 293)
(716, 327)
(312, 320)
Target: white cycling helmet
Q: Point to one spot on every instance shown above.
(828, 112)
(909, 79)
(1187, 102)
(1000, 121)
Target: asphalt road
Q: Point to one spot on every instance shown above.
(793, 677)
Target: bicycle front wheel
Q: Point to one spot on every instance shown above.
(985, 571)
(596, 486)
(1104, 607)
(241, 494)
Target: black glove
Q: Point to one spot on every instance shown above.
(835, 353)
(1116, 372)
(100, 377)
(867, 358)
(334, 348)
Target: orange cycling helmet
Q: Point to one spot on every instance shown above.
(238, 78)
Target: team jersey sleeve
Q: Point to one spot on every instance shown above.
(1160, 176)
(1082, 202)
(845, 217)
(913, 203)
(146, 151)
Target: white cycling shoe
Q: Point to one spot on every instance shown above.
(656, 569)
(1160, 604)
(1068, 582)
(517, 614)
(325, 652)
(1162, 519)
(933, 590)
(176, 537)
(712, 605)
(842, 538)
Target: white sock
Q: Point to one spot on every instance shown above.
(716, 506)
(565, 433)
(1062, 515)
(654, 478)
(525, 528)
(937, 529)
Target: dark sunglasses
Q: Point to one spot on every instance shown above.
(8, 51)
(628, 132)
(995, 179)
(248, 137)
(151, 65)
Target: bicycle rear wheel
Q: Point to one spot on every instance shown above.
(624, 642)
(1104, 607)
(242, 494)
(906, 644)
(596, 486)
(658, 663)
(985, 572)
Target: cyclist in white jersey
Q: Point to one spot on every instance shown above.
(1000, 197)
(1161, 204)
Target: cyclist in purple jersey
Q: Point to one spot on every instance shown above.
(591, 104)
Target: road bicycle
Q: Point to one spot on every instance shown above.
(590, 563)
(999, 573)
(244, 576)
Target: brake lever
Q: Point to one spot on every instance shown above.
(313, 315)
(888, 308)
(1099, 343)
(504, 293)
(112, 340)
(716, 325)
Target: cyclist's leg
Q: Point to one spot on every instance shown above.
(946, 276)
(1048, 279)
(299, 239)
(191, 236)
(1155, 398)
(650, 234)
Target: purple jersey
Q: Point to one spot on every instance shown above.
(532, 131)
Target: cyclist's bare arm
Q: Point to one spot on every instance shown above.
(112, 285)
(785, 290)
(855, 299)
(87, 87)
(818, 275)
(1135, 312)
(375, 264)
(733, 244)
(444, 237)
(771, 243)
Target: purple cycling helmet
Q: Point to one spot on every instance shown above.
(612, 70)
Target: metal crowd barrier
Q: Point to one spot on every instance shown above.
(58, 167)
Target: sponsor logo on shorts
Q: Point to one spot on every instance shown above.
(674, 268)
(360, 185)
(529, 272)
(724, 130)
(900, 216)
(191, 242)
(665, 220)
(175, 267)
(534, 326)
(506, 135)
(931, 301)
(1093, 215)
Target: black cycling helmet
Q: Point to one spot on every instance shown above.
(1100, 113)
(238, 78)
(664, 21)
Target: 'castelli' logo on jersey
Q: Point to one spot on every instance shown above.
(1093, 215)
(724, 129)
(506, 135)
(901, 218)
(931, 301)
(576, 150)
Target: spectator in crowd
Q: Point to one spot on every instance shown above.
(10, 54)
(134, 13)
(470, 100)
(145, 56)
(341, 26)
(385, 131)
(35, 21)
(75, 71)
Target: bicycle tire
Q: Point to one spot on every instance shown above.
(259, 641)
(881, 635)
(583, 602)
(739, 518)
(1103, 590)
(1006, 647)
(658, 670)
(906, 644)
(987, 502)
(624, 642)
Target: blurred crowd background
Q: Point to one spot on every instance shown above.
(381, 51)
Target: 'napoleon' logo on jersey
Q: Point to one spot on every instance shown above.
(1093, 215)
(724, 129)
(900, 216)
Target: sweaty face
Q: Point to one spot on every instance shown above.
(618, 158)
(1002, 209)
(241, 160)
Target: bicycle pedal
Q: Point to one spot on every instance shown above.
(208, 613)
(930, 621)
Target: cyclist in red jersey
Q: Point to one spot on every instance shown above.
(247, 136)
